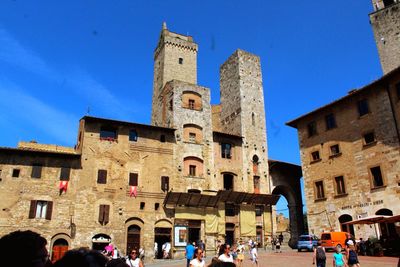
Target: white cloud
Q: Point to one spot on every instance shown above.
(81, 83)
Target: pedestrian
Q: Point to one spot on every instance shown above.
(218, 247)
(363, 247)
(166, 247)
(141, 254)
(225, 255)
(115, 253)
(280, 238)
(351, 255)
(278, 246)
(319, 255)
(202, 246)
(133, 259)
(82, 257)
(338, 258)
(117, 263)
(155, 250)
(240, 251)
(189, 253)
(198, 260)
(254, 255)
(24, 249)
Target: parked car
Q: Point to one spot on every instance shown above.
(333, 240)
(307, 242)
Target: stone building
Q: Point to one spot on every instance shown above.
(350, 148)
(197, 172)
(385, 22)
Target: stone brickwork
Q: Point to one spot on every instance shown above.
(385, 21)
(125, 176)
(355, 158)
(242, 112)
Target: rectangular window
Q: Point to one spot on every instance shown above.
(192, 137)
(36, 170)
(15, 173)
(180, 61)
(102, 176)
(133, 179)
(171, 105)
(312, 128)
(319, 188)
(335, 150)
(165, 183)
(330, 121)
(229, 209)
(107, 133)
(65, 173)
(156, 206)
(259, 210)
(315, 156)
(340, 188)
(377, 178)
(192, 170)
(133, 136)
(226, 150)
(104, 214)
(256, 181)
(369, 138)
(362, 107)
(40, 209)
(191, 103)
(142, 204)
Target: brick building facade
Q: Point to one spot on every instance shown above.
(350, 148)
(197, 172)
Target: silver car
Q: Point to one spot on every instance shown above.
(307, 242)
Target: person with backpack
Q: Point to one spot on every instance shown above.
(319, 255)
(351, 255)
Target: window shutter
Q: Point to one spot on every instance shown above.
(133, 179)
(102, 176)
(65, 173)
(101, 214)
(49, 210)
(106, 214)
(36, 171)
(32, 209)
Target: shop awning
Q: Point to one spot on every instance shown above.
(376, 219)
(227, 196)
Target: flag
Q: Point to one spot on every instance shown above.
(63, 186)
(133, 191)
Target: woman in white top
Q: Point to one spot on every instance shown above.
(198, 259)
(254, 255)
(133, 259)
(225, 255)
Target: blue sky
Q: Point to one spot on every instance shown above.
(61, 59)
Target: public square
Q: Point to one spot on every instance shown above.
(290, 258)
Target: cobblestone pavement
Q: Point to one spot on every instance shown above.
(289, 259)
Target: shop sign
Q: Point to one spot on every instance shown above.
(362, 205)
(180, 236)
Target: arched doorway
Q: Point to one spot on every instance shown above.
(60, 247)
(285, 178)
(100, 241)
(386, 229)
(162, 234)
(349, 228)
(133, 238)
(255, 164)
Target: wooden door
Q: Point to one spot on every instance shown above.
(133, 238)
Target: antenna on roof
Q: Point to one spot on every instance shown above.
(88, 110)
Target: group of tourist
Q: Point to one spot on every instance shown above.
(28, 249)
(349, 259)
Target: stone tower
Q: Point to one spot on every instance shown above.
(385, 21)
(242, 104)
(175, 58)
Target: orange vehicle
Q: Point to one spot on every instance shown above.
(332, 240)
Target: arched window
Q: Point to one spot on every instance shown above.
(193, 166)
(192, 133)
(255, 164)
(346, 227)
(191, 100)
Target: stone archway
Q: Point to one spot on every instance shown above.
(285, 179)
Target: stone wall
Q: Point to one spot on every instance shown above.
(386, 26)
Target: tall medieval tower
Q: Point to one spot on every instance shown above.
(242, 113)
(175, 58)
(385, 21)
